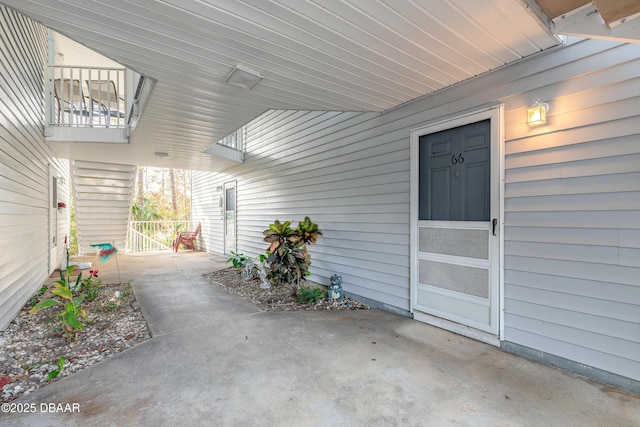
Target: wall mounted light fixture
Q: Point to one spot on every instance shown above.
(537, 113)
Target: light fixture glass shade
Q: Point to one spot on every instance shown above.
(537, 113)
(243, 77)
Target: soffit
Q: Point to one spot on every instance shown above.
(606, 19)
(613, 12)
(351, 55)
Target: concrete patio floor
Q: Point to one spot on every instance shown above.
(215, 360)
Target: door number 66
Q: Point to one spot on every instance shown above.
(457, 159)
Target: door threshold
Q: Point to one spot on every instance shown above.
(457, 328)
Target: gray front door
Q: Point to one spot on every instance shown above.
(455, 174)
(455, 236)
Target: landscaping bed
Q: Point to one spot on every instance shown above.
(32, 346)
(276, 298)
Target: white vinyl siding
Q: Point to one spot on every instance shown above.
(24, 166)
(206, 209)
(347, 183)
(572, 197)
(103, 195)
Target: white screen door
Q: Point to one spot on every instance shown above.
(456, 223)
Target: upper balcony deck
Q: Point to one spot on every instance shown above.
(89, 104)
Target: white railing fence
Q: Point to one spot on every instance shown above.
(236, 139)
(85, 96)
(147, 236)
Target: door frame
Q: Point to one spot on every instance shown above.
(52, 234)
(495, 113)
(228, 185)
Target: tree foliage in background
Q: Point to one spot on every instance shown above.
(73, 237)
(147, 211)
(162, 194)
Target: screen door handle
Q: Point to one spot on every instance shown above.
(494, 223)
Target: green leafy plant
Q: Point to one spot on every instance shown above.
(72, 314)
(238, 260)
(91, 290)
(311, 295)
(55, 372)
(289, 259)
(128, 290)
(90, 287)
(145, 211)
(109, 306)
(34, 299)
(308, 231)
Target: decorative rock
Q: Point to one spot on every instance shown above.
(276, 298)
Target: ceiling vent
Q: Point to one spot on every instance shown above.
(243, 77)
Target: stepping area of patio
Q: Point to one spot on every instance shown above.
(215, 359)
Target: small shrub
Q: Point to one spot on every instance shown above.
(34, 299)
(128, 290)
(109, 306)
(311, 295)
(72, 314)
(91, 288)
(55, 372)
(289, 259)
(238, 260)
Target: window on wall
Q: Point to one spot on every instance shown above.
(230, 198)
(54, 192)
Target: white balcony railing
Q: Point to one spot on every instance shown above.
(232, 146)
(86, 96)
(147, 236)
(236, 139)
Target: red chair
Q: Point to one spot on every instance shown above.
(187, 239)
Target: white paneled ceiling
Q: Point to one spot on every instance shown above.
(349, 55)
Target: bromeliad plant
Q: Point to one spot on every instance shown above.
(289, 259)
(72, 314)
